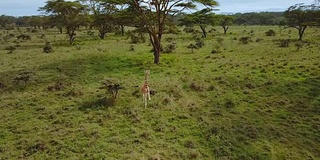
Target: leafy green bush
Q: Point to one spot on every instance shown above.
(245, 40)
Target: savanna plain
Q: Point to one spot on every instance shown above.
(229, 99)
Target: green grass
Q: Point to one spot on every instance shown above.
(253, 101)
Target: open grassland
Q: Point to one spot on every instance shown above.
(248, 101)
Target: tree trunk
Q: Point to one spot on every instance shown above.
(72, 36)
(156, 55)
(122, 30)
(225, 29)
(301, 32)
(204, 32)
(156, 43)
(60, 30)
(102, 35)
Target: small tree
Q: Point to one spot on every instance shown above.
(225, 21)
(201, 18)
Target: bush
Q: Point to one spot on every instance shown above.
(131, 48)
(220, 40)
(270, 33)
(216, 49)
(199, 42)
(259, 39)
(284, 43)
(24, 37)
(47, 48)
(111, 89)
(170, 48)
(10, 49)
(192, 47)
(34, 31)
(245, 40)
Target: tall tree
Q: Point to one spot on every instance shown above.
(301, 16)
(154, 15)
(71, 15)
(225, 21)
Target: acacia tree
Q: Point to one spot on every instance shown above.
(201, 18)
(71, 15)
(301, 16)
(102, 14)
(225, 21)
(154, 14)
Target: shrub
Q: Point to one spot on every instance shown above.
(284, 43)
(192, 47)
(220, 40)
(90, 33)
(259, 39)
(24, 37)
(298, 45)
(245, 40)
(34, 31)
(199, 42)
(111, 88)
(170, 48)
(47, 48)
(270, 33)
(10, 49)
(216, 49)
(2, 85)
(131, 48)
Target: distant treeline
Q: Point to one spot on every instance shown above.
(252, 18)
(259, 18)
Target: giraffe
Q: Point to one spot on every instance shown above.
(145, 89)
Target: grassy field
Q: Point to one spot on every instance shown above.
(248, 101)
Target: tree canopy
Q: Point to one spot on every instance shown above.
(154, 14)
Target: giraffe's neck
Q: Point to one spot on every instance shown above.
(146, 78)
